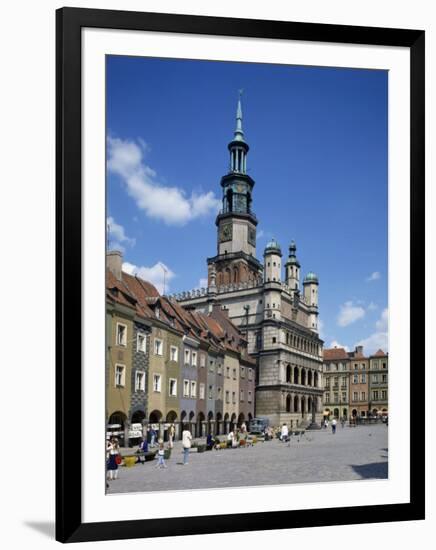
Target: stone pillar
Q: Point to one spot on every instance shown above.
(314, 425)
(126, 433)
(161, 430)
(144, 428)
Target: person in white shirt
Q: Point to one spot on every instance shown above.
(284, 432)
(186, 442)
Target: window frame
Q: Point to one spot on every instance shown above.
(121, 345)
(173, 347)
(169, 387)
(157, 376)
(142, 374)
(201, 390)
(123, 375)
(157, 339)
(144, 337)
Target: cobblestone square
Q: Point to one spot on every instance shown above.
(350, 454)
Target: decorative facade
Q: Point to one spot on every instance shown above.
(279, 318)
(355, 386)
(166, 365)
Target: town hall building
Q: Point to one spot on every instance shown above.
(267, 301)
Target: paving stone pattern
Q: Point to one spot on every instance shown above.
(350, 454)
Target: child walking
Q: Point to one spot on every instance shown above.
(160, 455)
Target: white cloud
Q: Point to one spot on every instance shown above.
(260, 234)
(154, 274)
(375, 275)
(336, 344)
(168, 204)
(372, 306)
(117, 235)
(374, 342)
(379, 339)
(350, 313)
(382, 323)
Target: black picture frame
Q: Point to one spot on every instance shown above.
(69, 22)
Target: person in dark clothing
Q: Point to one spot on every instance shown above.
(209, 441)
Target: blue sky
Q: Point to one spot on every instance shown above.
(318, 154)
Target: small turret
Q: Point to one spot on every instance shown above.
(273, 261)
(292, 268)
(310, 284)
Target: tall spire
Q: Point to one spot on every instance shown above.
(238, 147)
(239, 134)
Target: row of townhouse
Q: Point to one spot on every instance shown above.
(169, 365)
(355, 385)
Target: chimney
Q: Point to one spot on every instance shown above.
(114, 261)
(359, 350)
(216, 306)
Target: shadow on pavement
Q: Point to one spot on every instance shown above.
(374, 470)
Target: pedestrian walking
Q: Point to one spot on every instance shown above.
(114, 458)
(171, 434)
(334, 426)
(284, 434)
(186, 442)
(152, 437)
(161, 455)
(343, 422)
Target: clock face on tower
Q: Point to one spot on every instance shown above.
(252, 236)
(226, 232)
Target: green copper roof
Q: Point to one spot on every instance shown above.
(292, 258)
(272, 246)
(311, 277)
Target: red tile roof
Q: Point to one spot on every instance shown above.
(379, 353)
(215, 329)
(333, 354)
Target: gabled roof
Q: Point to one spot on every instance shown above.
(356, 355)
(379, 353)
(215, 329)
(333, 354)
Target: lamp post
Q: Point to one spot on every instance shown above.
(314, 424)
